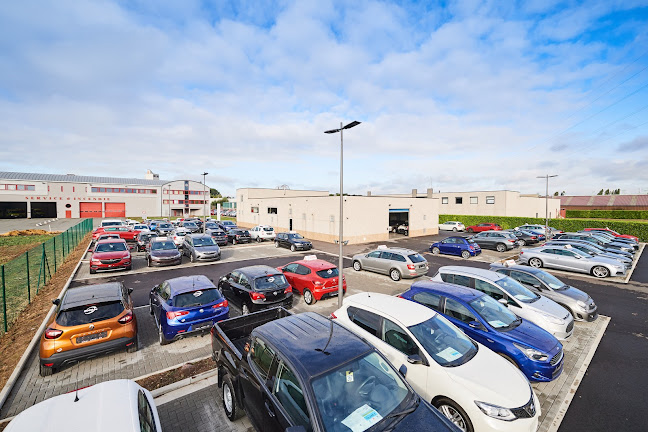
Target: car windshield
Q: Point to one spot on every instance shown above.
(268, 229)
(203, 241)
(190, 224)
(197, 298)
(447, 345)
(416, 258)
(165, 225)
(111, 247)
(517, 290)
(494, 313)
(328, 273)
(270, 282)
(180, 233)
(92, 312)
(359, 394)
(295, 236)
(163, 245)
(550, 280)
(105, 224)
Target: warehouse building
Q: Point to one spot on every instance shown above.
(32, 195)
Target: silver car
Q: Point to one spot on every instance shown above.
(590, 248)
(396, 262)
(200, 247)
(569, 258)
(577, 302)
(452, 226)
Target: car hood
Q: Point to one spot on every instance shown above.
(507, 387)
(547, 306)
(574, 293)
(110, 255)
(606, 260)
(165, 253)
(212, 248)
(533, 336)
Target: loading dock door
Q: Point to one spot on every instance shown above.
(90, 210)
(399, 221)
(43, 209)
(115, 210)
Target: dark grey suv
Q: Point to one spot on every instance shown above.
(293, 241)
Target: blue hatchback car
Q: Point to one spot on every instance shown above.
(456, 245)
(537, 353)
(186, 305)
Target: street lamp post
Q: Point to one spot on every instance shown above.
(168, 200)
(547, 177)
(340, 263)
(204, 203)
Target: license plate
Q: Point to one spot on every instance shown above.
(90, 337)
(202, 327)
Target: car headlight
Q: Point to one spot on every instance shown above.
(552, 319)
(532, 353)
(581, 304)
(495, 411)
(96, 262)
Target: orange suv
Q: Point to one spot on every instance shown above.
(89, 321)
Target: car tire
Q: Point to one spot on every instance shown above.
(394, 274)
(276, 244)
(522, 242)
(245, 309)
(309, 298)
(133, 348)
(454, 413)
(535, 262)
(600, 272)
(465, 254)
(130, 267)
(259, 239)
(45, 371)
(148, 262)
(161, 338)
(454, 229)
(436, 251)
(470, 230)
(191, 257)
(357, 266)
(501, 247)
(232, 410)
(292, 248)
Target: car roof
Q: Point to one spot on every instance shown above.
(450, 290)
(198, 235)
(472, 271)
(526, 269)
(256, 271)
(302, 337)
(315, 264)
(395, 249)
(407, 312)
(111, 240)
(184, 284)
(86, 294)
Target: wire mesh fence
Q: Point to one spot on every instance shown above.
(22, 277)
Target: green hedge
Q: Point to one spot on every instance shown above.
(638, 229)
(608, 214)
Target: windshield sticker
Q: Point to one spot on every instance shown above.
(349, 376)
(329, 271)
(449, 354)
(362, 419)
(197, 293)
(497, 323)
(90, 310)
(270, 279)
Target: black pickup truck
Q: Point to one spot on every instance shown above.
(304, 372)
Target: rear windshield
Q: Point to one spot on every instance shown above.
(147, 236)
(162, 245)
(89, 313)
(189, 224)
(105, 224)
(111, 247)
(269, 229)
(165, 225)
(471, 241)
(197, 298)
(203, 241)
(328, 273)
(416, 258)
(218, 232)
(271, 282)
(180, 233)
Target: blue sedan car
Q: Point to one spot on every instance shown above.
(186, 305)
(456, 246)
(535, 351)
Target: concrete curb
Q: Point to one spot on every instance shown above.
(183, 383)
(170, 367)
(4, 394)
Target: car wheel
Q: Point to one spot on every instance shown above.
(232, 410)
(357, 266)
(535, 262)
(436, 250)
(394, 274)
(163, 340)
(148, 262)
(45, 371)
(309, 298)
(465, 254)
(276, 244)
(259, 239)
(133, 348)
(292, 248)
(500, 247)
(470, 230)
(245, 309)
(601, 272)
(191, 258)
(455, 414)
(454, 229)
(522, 242)
(130, 267)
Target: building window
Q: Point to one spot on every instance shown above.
(73, 188)
(272, 210)
(473, 200)
(61, 188)
(255, 209)
(444, 200)
(490, 200)
(458, 200)
(120, 190)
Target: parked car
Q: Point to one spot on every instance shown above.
(108, 236)
(461, 246)
(256, 287)
(190, 226)
(262, 232)
(109, 255)
(200, 247)
(592, 249)
(524, 303)
(164, 228)
(313, 278)
(228, 225)
(211, 225)
(238, 235)
(442, 364)
(591, 241)
(498, 240)
(154, 223)
(162, 251)
(524, 237)
(396, 262)
(143, 239)
(569, 258)
(292, 240)
(541, 236)
(452, 226)
(219, 236)
(123, 231)
(536, 352)
(402, 228)
(537, 229)
(93, 409)
(112, 222)
(139, 227)
(88, 321)
(577, 302)
(323, 378)
(614, 233)
(592, 238)
(186, 305)
(177, 235)
(483, 227)
(609, 238)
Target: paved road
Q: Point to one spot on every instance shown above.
(7, 225)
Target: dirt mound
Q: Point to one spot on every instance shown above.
(29, 232)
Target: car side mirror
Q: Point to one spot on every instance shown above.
(414, 359)
(130, 290)
(403, 370)
(476, 325)
(503, 301)
(56, 301)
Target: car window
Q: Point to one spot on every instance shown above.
(395, 336)
(166, 291)
(386, 255)
(398, 257)
(456, 310)
(517, 290)
(289, 394)
(489, 289)
(548, 251)
(145, 413)
(416, 258)
(367, 320)
(374, 254)
(525, 279)
(243, 280)
(303, 270)
(270, 282)
(262, 357)
(89, 313)
(457, 279)
(428, 299)
(328, 273)
(291, 268)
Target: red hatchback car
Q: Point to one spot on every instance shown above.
(483, 227)
(313, 278)
(110, 254)
(127, 233)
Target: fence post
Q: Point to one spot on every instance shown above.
(44, 261)
(4, 300)
(28, 280)
(54, 238)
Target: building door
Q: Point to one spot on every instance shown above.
(68, 214)
(115, 210)
(290, 225)
(13, 210)
(90, 210)
(43, 210)
(399, 221)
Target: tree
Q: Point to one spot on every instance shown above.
(607, 191)
(617, 192)
(213, 193)
(220, 201)
(600, 192)
(556, 193)
(562, 193)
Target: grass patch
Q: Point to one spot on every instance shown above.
(11, 247)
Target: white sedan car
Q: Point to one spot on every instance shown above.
(262, 232)
(452, 226)
(473, 387)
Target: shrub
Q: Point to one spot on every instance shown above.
(608, 214)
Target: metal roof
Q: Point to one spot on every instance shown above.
(7, 175)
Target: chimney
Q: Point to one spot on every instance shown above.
(368, 193)
(430, 193)
(414, 193)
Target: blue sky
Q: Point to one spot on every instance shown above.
(454, 95)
